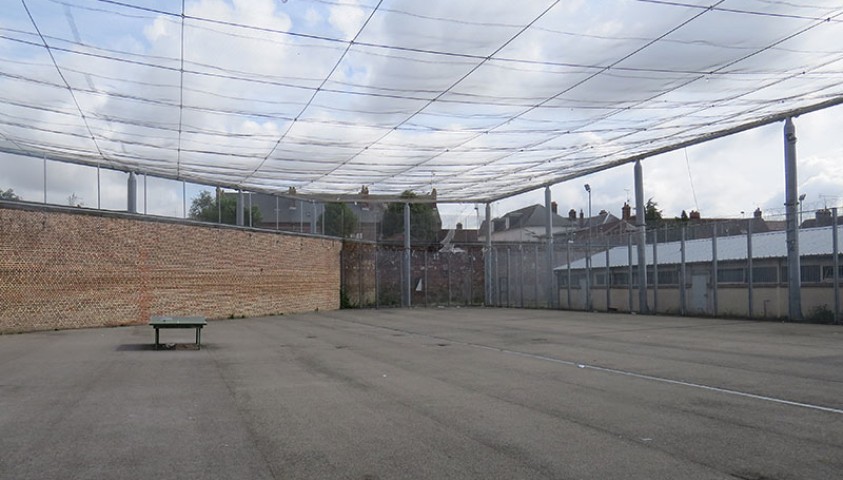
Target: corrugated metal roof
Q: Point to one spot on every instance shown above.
(812, 241)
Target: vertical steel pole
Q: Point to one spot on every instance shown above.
(99, 194)
(470, 299)
(835, 264)
(715, 280)
(521, 273)
(536, 271)
(508, 276)
(240, 201)
(45, 182)
(548, 205)
(794, 271)
(749, 282)
(426, 279)
(377, 279)
(449, 278)
(655, 270)
(408, 292)
(144, 193)
(487, 274)
(641, 226)
(132, 192)
(277, 213)
(682, 302)
(359, 275)
(313, 220)
(588, 305)
(608, 279)
(183, 196)
(629, 271)
(568, 259)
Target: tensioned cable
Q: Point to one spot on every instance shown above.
(315, 92)
(61, 75)
(181, 92)
(441, 94)
(391, 47)
(727, 65)
(563, 92)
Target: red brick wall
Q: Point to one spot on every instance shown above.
(65, 269)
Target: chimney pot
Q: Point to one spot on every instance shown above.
(553, 207)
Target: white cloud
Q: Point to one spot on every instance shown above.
(347, 16)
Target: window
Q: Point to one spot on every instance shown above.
(765, 275)
(828, 273)
(620, 278)
(668, 277)
(810, 273)
(731, 275)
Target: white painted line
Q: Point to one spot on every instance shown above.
(613, 370)
(663, 380)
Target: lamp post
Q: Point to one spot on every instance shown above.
(588, 254)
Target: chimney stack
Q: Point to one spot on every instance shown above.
(695, 215)
(572, 214)
(553, 207)
(626, 211)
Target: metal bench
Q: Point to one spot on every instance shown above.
(159, 322)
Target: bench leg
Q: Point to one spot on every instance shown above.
(198, 338)
(156, 338)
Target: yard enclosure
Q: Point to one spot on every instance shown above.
(66, 268)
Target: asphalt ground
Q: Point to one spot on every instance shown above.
(427, 393)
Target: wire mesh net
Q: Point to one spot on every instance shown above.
(327, 96)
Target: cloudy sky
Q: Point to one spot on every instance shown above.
(290, 98)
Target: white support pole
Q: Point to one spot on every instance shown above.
(239, 216)
(132, 194)
(408, 288)
(629, 272)
(714, 274)
(682, 272)
(488, 255)
(641, 227)
(548, 205)
(794, 271)
(45, 179)
(655, 270)
(835, 264)
(608, 281)
(749, 279)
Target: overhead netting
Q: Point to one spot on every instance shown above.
(476, 99)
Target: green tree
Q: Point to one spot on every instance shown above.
(339, 220)
(425, 223)
(204, 208)
(651, 211)
(9, 195)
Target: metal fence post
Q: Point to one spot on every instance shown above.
(749, 265)
(608, 279)
(568, 259)
(714, 273)
(426, 279)
(449, 278)
(377, 280)
(536, 284)
(588, 275)
(682, 302)
(629, 270)
(508, 276)
(521, 274)
(835, 264)
(655, 270)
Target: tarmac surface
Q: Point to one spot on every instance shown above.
(427, 394)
